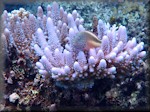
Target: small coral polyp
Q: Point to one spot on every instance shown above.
(55, 38)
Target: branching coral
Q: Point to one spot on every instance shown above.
(68, 52)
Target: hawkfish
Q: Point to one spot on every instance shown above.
(85, 40)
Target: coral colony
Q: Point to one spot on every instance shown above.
(67, 52)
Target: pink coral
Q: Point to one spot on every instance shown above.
(52, 37)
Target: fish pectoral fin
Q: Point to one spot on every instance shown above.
(93, 44)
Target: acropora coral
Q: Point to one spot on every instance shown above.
(68, 52)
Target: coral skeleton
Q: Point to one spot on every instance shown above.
(67, 51)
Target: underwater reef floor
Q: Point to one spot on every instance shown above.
(26, 90)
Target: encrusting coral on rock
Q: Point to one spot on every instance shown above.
(68, 52)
